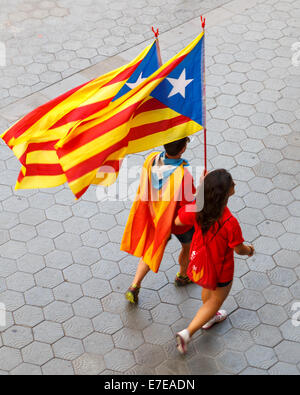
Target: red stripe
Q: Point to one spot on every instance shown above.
(150, 105)
(46, 146)
(45, 169)
(21, 177)
(30, 119)
(170, 67)
(125, 74)
(82, 192)
(23, 159)
(97, 131)
(82, 112)
(141, 211)
(111, 166)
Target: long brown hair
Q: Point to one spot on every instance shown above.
(217, 185)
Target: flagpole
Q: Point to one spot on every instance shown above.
(156, 34)
(203, 20)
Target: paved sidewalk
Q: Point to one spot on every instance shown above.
(62, 275)
(48, 41)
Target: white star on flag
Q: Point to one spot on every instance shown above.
(132, 85)
(179, 84)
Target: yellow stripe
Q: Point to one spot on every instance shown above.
(45, 157)
(19, 150)
(152, 116)
(23, 170)
(116, 155)
(106, 92)
(164, 137)
(33, 182)
(140, 247)
(154, 261)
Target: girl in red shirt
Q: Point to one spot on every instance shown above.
(219, 232)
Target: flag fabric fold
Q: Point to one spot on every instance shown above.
(165, 107)
(34, 137)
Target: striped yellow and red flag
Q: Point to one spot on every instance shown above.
(151, 217)
(45, 126)
(165, 107)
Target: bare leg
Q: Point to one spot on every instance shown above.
(206, 294)
(141, 272)
(210, 307)
(184, 258)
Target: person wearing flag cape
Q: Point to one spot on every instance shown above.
(166, 185)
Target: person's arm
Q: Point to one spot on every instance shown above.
(186, 216)
(178, 222)
(243, 249)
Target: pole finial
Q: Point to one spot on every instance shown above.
(203, 21)
(156, 33)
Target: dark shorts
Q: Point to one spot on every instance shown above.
(222, 285)
(186, 238)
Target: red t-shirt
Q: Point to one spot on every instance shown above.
(219, 244)
(187, 196)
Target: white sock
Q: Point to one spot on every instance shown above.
(185, 334)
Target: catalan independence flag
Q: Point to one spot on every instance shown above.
(165, 107)
(45, 126)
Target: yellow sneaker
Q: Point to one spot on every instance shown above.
(132, 294)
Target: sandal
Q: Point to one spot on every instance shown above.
(132, 294)
(182, 339)
(181, 281)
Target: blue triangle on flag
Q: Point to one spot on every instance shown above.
(182, 89)
(148, 66)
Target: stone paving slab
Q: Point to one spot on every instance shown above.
(62, 275)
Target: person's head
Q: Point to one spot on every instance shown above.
(176, 148)
(218, 187)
